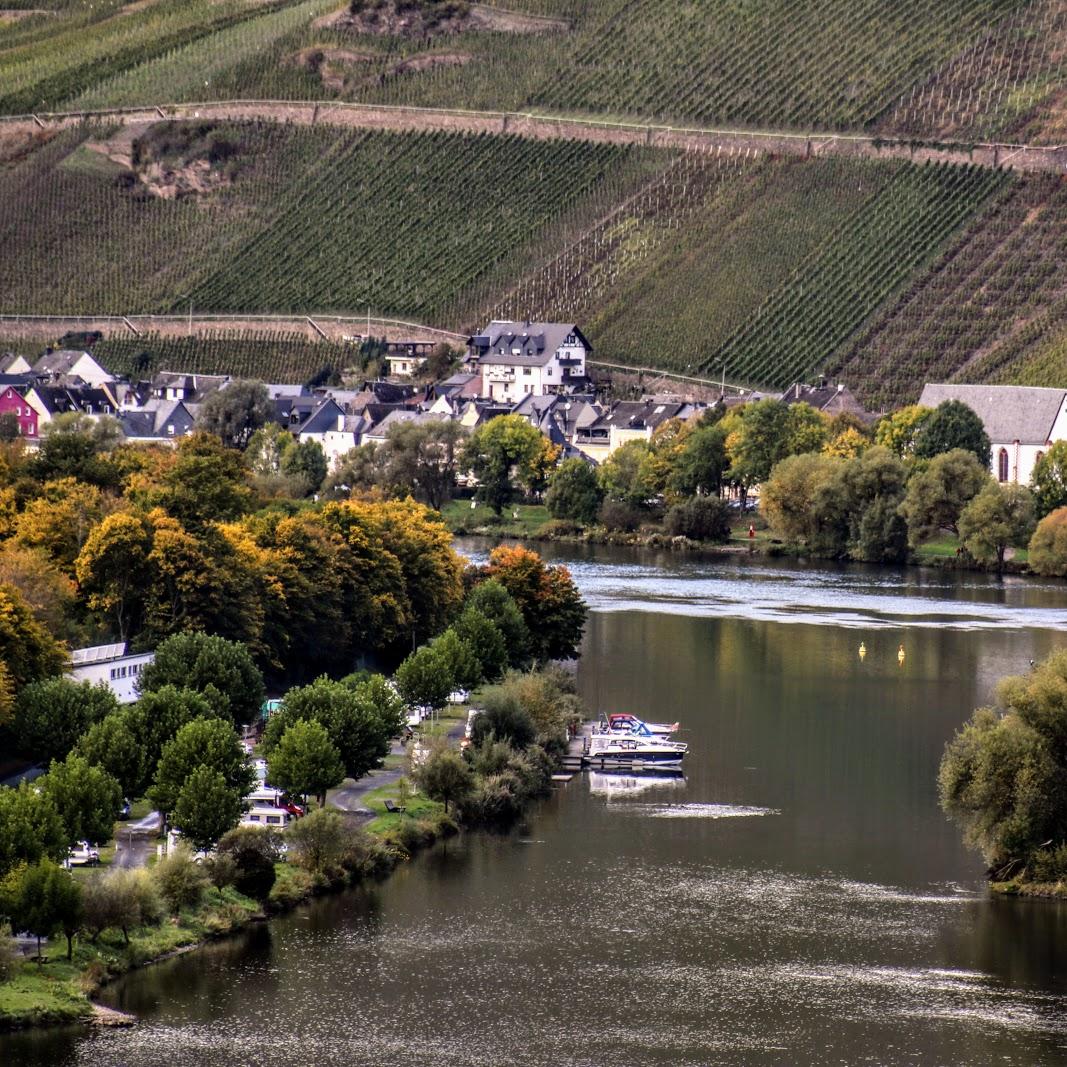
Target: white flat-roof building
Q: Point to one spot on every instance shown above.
(110, 665)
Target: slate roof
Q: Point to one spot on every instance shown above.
(644, 414)
(538, 342)
(1009, 413)
(58, 363)
(58, 399)
(324, 419)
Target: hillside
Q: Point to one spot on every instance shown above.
(944, 68)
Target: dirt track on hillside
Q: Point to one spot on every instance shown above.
(731, 142)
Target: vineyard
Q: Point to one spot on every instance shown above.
(269, 356)
(984, 310)
(944, 68)
(407, 225)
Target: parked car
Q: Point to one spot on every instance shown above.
(83, 855)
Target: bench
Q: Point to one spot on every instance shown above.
(393, 808)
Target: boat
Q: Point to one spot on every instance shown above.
(623, 722)
(631, 750)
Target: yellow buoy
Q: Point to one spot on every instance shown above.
(900, 654)
(863, 650)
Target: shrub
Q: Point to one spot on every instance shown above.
(8, 955)
(321, 841)
(254, 851)
(559, 528)
(1048, 546)
(222, 870)
(505, 719)
(1048, 866)
(497, 803)
(703, 518)
(180, 880)
(619, 516)
(120, 900)
(293, 889)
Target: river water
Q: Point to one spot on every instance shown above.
(798, 898)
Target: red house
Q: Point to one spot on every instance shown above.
(11, 401)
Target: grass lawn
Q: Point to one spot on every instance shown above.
(941, 548)
(459, 516)
(417, 806)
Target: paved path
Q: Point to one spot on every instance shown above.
(136, 841)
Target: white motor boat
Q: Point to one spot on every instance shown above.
(624, 723)
(631, 750)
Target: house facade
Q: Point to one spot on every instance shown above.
(1021, 421)
(67, 364)
(12, 403)
(110, 665)
(520, 359)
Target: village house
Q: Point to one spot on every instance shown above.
(12, 403)
(161, 424)
(12, 363)
(630, 420)
(518, 359)
(48, 401)
(1022, 421)
(405, 358)
(112, 666)
(69, 366)
(829, 399)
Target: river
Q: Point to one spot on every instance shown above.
(798, 898)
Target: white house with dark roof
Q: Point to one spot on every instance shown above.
(1022, 421)
(69, 364)
(519, 359)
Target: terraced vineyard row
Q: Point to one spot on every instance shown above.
(981, 308)
(803, 323)
(270, 356)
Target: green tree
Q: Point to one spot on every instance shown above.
(1048, 546)
(234, 413)
(1050, 480)
(574, 492)
(355, 471)
(701, 518)
(254, 850)
(305, 761)
(121, 899)
(156, 718)
(492, 600)
(206, 808)
(627, 474)
(305, 463)
(1003, 777)
(207, 483)
(500, 454)
(180, 880)
(485, 640)
(769, 432)
(87, 799)
(899, 430)
(210, 743)
(419, 459)
(504, 719)
(52, 715)
(113, 745)
(42, 899)
(425, 678)
(953, 425)
(701, 464)
(445, 776)
(937, 496)
(867, 496)
(360, 720)
(223, 671)
(321, 841)
(76, 446)
(463, 662)
(30, 828)
(999, 517)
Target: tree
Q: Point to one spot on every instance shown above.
(321, 841)
(223, 671)
(234, 413)
(999, 517)
(445, 776)
(41, 899)
(254, 850)
(210, 743)
(305, 761)
(770, 431)
(114, 571)
(574, 492)
(501, 453)
(180, 880)
(52, 715)
(1003, 777)
(305, 463)
(156, 718)
(953, 425)
(485, 639)
(9, 426)
(120, 899)
(206, 808)
(700, 465)
(492, 600)
(27, 649)
(207, 483)
(547, 597)
(937, 496)
(1050, 480)
(30, 828)
(899, 430)
(74, 446)
(47, 591)
(463, 663)
(425, 678)
(359, 719)
(419, 459)
(701, 518)
(59, 521)
(627, 475)
(504, 719)
(87, 798)
(355, 471)
(1048, 546)
(113, 745)
(866, 496)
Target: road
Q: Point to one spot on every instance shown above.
(136, 841)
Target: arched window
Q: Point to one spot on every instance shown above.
(1002, 465)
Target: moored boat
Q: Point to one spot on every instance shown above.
(624, 722)
(626, 750)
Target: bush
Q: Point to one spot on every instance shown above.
(293, 889)
(1048, 546)
(1048, 866)
(505, 719)
(254, 851)
(559, 528)
(574, 493)
(703, 518)
(180, 880)
(619, 516)
(8, 955)
(497, 803)
(221, 870)
(322, 841)
(120, 900)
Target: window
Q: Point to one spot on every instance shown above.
(253, 818)
(274, 819)
(1038, 458)
(527, 371)
(1002, 465)
(114, 673)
